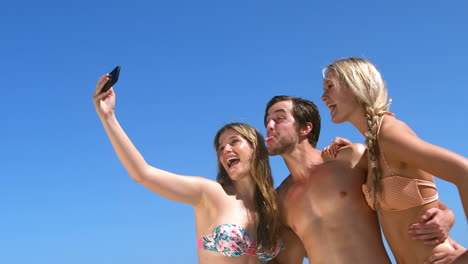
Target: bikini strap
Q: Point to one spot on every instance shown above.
(381, 152)
(428, 184)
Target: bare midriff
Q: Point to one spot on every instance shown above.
(395, 225)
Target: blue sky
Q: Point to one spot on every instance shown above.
(188, 67)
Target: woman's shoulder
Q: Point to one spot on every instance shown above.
(212, 185)
(214, 194)
(209, 188)
(397, 140)
(393, 128)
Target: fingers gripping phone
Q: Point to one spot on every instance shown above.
(113, 78)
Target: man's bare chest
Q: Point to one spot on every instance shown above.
(316, 204)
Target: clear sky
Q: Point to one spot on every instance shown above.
(188, 67)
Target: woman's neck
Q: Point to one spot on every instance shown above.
(244, 189)
(359, 120)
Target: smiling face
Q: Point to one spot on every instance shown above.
(234, 154)
(282, 133)
(339, 99)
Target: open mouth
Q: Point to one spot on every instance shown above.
(232, 161)
(331, 107)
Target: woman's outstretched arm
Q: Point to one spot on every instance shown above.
(169, 185)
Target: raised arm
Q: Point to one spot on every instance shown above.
(397, 140)
(175, 187)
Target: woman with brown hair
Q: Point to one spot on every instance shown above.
(236, 217)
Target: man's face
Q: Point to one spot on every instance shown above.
(280, 127)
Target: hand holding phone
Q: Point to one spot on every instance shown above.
(113, 78)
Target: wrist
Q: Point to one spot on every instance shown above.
(108, 117)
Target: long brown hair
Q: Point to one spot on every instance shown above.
(367, 84)
(265, 194)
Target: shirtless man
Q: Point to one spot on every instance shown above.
(322, 207)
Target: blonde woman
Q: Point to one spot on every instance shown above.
(400, 185)
(236, 217)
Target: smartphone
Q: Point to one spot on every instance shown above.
(113, 78)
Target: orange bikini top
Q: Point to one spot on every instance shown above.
(399, 193)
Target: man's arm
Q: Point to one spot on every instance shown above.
(457, 256)
(434, 226)
(293, 252)
(462, 259)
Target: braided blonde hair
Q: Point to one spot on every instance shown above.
(366, 83)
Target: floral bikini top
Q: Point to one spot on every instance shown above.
(232, 241)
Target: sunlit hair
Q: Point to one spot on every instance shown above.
(304, 111)
(366, 83)
(265, 194)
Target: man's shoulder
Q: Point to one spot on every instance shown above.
(352, 154)
(284, 186)
(353, 149)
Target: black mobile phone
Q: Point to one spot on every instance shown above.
(113, 78)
